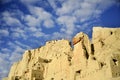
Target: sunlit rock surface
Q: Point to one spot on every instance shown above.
(98, 59)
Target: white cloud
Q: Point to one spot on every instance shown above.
(66, 19)
(83, 13)
(15, 35)
(5, 50)
(32, 21)
(79, 11)
(54, 3)
(49, 23)
(4, 67)
(68, 22)
(39, 34)
(17, 46)
(18, 32)
(69, 13)
(34, 29)
(5, 54)
(22, 45)
(17, 29)
(68, 7)
(9, 20)
(39, 12)
(38, 16)
(84, 9)
(4, 32)
(60, 35)
(57, 35)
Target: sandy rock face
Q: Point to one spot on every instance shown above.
(57, 60)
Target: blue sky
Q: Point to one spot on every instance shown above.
(28, 24)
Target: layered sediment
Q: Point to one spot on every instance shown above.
(98, 59)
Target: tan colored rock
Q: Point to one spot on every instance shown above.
(96, 60)
(81, 49)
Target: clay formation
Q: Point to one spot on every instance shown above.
(57, 60)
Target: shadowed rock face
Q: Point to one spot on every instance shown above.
(96, 60)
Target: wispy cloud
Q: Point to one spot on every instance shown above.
(4, 32)
(48, 23)
(69, 13)
(9, 18)
(79, 11)
(68, 23)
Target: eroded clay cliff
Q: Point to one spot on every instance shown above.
(98, 59)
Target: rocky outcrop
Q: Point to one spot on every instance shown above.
(57, 60)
